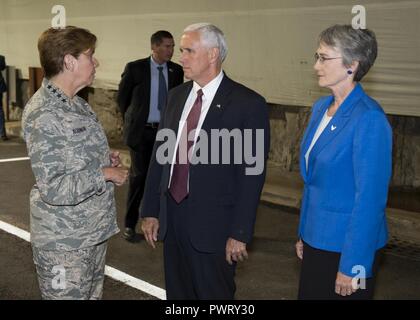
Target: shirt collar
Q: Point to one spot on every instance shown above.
(210, 88)
(155, 64)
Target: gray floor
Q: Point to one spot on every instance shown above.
(270, 273)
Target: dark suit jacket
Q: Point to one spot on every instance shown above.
(134, 96)
(3, 87)
(222, 198)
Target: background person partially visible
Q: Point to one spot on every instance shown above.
(141, 98)
(72, 204)
(3, 88)
(346, 163)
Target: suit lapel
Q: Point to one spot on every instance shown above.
(218, 105)
(335, 126)
(170, 75)
(307, 139)
(178, 107)
(310, 132)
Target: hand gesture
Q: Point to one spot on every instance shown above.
(235, 250)
(117, 175)
(150, 228)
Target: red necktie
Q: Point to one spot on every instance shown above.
(179, 181)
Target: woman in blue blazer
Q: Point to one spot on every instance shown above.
(345, 162)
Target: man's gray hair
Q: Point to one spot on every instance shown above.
(211, 36)
(354, 44)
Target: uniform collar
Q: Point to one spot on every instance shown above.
(56, 92)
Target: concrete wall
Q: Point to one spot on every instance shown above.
(406, 152)
(104, 102)
(287, 127)
(288, 124)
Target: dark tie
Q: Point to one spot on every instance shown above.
(162, 90)
(179, 182)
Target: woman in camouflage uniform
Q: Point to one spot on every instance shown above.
(72, 204)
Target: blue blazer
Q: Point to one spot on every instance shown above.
(346, 183)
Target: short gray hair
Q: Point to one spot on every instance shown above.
(354, 44)
(211, 36)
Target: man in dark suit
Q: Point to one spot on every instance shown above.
(3, 88)
(205, 212)
(141, 98)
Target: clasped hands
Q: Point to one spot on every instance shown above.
(116, 172)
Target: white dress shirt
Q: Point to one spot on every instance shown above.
(209, 91)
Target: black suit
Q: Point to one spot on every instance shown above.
(134, 103)
(222, 200)
(3, 88)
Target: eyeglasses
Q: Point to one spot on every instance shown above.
(322, 59)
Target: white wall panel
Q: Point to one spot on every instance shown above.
(271, 42)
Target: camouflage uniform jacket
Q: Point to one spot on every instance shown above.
(71, 204)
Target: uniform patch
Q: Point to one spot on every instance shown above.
(79, 130)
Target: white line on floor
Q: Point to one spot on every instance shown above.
(15, 231)
(109, 271)
(14, 159)
(135, 282)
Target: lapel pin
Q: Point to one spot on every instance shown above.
(218, 105)
(333, 127)
(170, 70)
